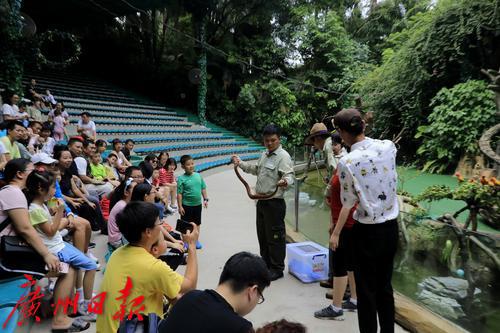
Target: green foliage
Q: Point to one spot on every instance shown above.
(11, 63)
(476, 194)
(459, 117)
(439, 48)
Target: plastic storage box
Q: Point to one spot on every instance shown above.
(307, 261)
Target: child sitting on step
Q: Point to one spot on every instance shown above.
(41, 188)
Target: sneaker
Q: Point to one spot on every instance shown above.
(91, 245)
(329, 313)
(84, 312)
(349, 306)
(174, 208)
(199, 246)
(168, 211)
(92, 256)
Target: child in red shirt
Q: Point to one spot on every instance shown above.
(167, 182)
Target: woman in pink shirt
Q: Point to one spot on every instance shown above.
(114, 235)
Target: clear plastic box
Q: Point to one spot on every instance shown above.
(307, 261)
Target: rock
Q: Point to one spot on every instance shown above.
(451, 287)
(446, 307)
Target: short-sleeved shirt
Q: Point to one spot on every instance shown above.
(98, 171)
(2, 148)
(166, 177)
(190, 187)
(11, 148)
(11, 110)
(270, 169)
(81, 165)
(336, 202)
(204, 312)
(38, 215)
(120, 158)
(114, 234)
(150, 277)
(89, 128)
(34, 113)
(368, 177)
(11, 197)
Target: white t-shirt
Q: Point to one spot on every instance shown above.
(89, 128)
(2, 148)
(368, 177)
(11, 110)
(81, 165)
(40, 214)
(11, 197)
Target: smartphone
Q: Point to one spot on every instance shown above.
(183, 226)
(63, 267)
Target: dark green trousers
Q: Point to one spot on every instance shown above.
(271, 232)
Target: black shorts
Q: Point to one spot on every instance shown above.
(192, 214)
(343, 256)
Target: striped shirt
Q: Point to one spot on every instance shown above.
(166, 177)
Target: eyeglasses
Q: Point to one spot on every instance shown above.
(261, 297)
(155, 161)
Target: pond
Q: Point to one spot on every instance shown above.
(410, 268)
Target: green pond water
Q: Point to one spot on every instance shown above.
(410, 269)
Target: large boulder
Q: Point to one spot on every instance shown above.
(447, 287)
(444, 306)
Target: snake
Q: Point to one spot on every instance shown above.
(254, 196)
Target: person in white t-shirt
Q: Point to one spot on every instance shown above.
(11, 111)
(368, 178)
(3, 158)
(86, 127)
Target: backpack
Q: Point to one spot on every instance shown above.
(148, 324)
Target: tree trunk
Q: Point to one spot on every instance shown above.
(202, 62)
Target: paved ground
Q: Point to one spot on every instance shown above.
(228, 227)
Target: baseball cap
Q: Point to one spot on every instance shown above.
(43, 158)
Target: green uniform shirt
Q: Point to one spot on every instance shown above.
(270, 169)
(12, 148)
(190, 186)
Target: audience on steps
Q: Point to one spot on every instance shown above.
(58, 189)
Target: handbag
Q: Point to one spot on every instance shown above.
(17, 256)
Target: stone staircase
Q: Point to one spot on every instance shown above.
(154, 127)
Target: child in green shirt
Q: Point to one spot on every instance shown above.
(191, 188)
(99, 171)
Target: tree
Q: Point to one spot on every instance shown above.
(440, 48)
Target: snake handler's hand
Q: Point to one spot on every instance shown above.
(282, 183)
(236, 160)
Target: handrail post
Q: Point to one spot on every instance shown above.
(297, 195)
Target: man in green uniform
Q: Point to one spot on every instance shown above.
(274, 168)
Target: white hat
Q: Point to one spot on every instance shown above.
(42, 158)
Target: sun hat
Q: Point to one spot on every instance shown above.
(318, 129)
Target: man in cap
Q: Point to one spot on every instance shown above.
(368, 178)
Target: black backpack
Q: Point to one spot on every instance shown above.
(148, 324)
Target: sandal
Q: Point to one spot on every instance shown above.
(78, 325)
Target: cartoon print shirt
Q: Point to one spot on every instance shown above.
(368, 176)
